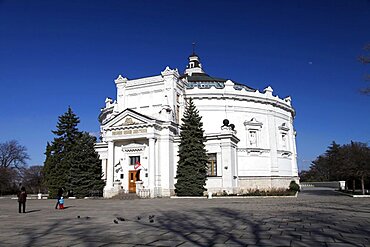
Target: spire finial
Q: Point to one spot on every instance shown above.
(193, 48)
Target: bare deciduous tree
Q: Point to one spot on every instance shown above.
(32, 179)
(13, 155)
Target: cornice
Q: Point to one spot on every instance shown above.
(275, 101)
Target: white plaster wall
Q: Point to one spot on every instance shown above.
(285, 166)
(214, 184)
(254, 166)
(147, 96)
(214, 106)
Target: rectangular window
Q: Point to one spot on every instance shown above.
(284, 140)
(212, 165)
(134, 160)
(252, 138)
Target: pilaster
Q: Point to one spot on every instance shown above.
(152, 170)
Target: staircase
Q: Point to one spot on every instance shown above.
(126, 196)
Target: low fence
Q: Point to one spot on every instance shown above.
(331, 184)
(143, 193)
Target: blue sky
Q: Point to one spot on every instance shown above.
(59, 53)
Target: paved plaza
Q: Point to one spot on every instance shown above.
(314, 218)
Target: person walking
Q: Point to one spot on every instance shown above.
(22, 197)
(59, 195)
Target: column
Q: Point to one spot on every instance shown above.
(152, 166)
(227, 166)
(110, 166)
(158, 161)
(273, 139)
(104, 168)
(293, 149)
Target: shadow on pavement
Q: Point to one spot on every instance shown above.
(290, 223)
(32, 211)
(319, 191)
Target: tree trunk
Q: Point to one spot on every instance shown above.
(353, 185)
(363, 184)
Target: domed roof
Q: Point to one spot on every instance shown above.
(196, 77)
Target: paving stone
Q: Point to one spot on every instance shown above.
(241, 241)
(117, 245)
(166, 243)
(343, 245)
(309, 220)
(300, 243)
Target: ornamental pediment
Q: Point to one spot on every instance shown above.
(284, 127)
(253, 122)
(133, 147)
(128, 118)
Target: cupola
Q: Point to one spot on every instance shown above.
(194, 65)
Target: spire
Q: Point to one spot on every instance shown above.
(193, 48)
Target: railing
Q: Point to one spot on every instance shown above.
(143, 193)
(331, 184)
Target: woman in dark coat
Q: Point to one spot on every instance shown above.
(22, 197)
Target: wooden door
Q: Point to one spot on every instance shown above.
(132, 178)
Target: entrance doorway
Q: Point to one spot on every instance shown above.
(133, 176)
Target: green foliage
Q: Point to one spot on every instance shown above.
(192, 166)
(349, 162)
(71, 161)
(293, 186)
(85, 173)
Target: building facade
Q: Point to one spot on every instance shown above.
(250, 134)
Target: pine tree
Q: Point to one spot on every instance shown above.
(65, 154)
(192, 166)
(334, 161)
(57, 163)
(86, 169)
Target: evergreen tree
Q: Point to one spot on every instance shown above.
(192, 166)
(64, 156)
(86, 170)
(334, 161)
(348, 162)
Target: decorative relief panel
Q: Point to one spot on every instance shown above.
(283, 139)
(254, 151)
(253, 128)
(127, 121)
(133, 147)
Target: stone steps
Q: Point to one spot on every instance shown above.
(126, 196)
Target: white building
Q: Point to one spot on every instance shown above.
(250, 134)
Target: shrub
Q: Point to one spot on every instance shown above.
(293, 186)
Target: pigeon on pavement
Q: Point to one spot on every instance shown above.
(120, 218)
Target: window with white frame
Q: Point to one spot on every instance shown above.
(212, 165)
(134, 160)
(284, 130)
(253, 128)
(252, 140)
(284, 140)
